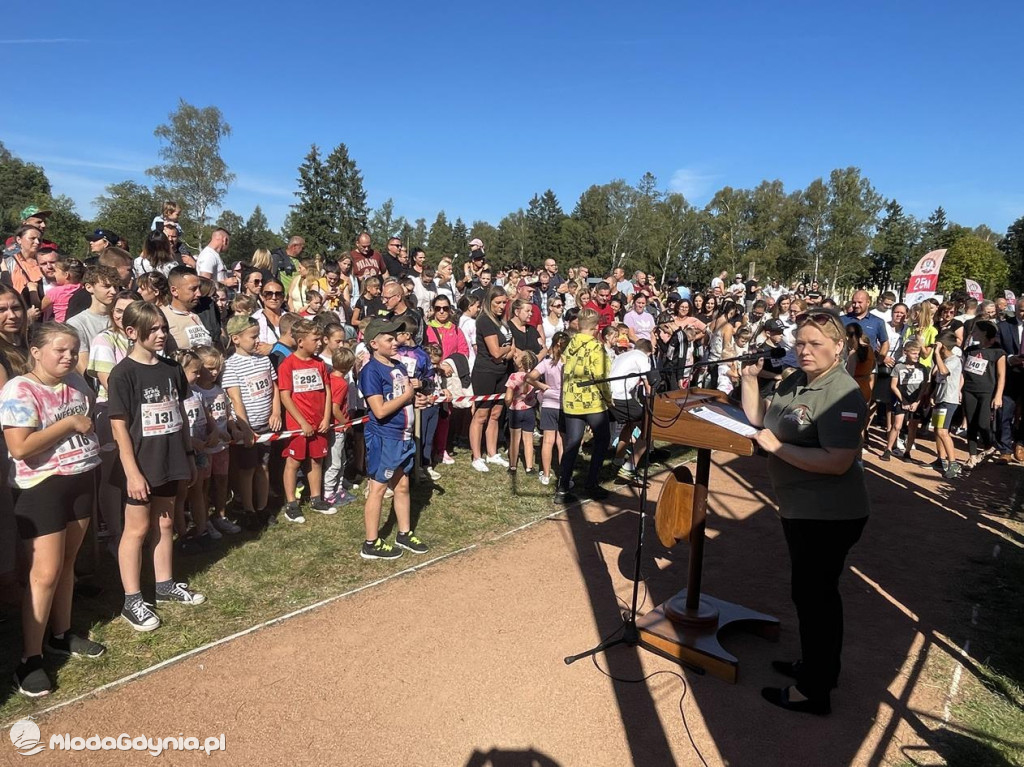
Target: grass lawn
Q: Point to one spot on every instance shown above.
(254, 577)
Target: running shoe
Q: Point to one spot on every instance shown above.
(73, 644)
(410, 542)
(319, 504)
(225, 525)
(434, 475)
(497, 459)
(886, 455)
(139, 616)
(544, 479)
(213, 532)
(565, 498)
(379, 550)
(180, 593)
(480, 465)
(954, 471)
(293, 513)
(30, 678)
(447, 459)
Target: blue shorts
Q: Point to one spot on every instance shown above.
(387, 457)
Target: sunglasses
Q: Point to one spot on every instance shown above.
(445, 308)
(818, 318)
(273, 294)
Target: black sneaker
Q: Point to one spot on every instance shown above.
(73, 644)
(410, 542)
(596, 493)
(188, 546)
(319, 504)
(293, 513)
(379, 550)
(140, 617)
(565, 498)
(180, 593)
(954, 471)
(30, 678)
(886, 455)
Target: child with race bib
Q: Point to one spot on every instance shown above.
(251, 384)
(219, 408)
(47, 422)
(202, 536)
(146, 394)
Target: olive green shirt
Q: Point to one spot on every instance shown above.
(827, 413)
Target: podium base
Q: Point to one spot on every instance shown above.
(691, 637)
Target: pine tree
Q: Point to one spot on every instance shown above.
(347, 197)
(439, 243)
(460, 238)
(544, 219)
(313, 217)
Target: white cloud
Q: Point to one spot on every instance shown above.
(692, 184)
(73, 162)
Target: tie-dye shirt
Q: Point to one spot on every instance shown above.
(26, 403)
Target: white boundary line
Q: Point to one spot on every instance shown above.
(954, 685)
(274, 621)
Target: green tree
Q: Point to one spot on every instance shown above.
(257, 227)
(677, 238)
(729, 228)
(893, 246)
(439, 242)
(128, 209)
(510, 245)
(21, 184)
(933, 232)
(1012, 246)
(460, 238)
(345, 192)
(193, 169)
(851, 218)
(487, 233)
(544, 218)
(313, 217)
(970, 257)
(65, 226)
(384, 224)
(241, 244)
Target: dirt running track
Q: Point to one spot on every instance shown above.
(461, 663)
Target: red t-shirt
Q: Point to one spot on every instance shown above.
(606, 312)
(339, 395)
(307, 382)
(369, 265)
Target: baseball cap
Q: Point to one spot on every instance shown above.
(476, 242)
(34, 211)
(377, 326)
(526, 283)
(775, 326)
(739, 275)
(103, 234)
(47, 246)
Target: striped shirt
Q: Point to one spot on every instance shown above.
(254, 378)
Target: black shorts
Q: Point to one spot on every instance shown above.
(489, 382)
(522, 419)
(247, 458)
(166, 490)
(898, 409)
(48, 507)
(883, 389)
(627, 410)
(549, 418)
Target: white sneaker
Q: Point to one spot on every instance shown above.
(545, 479)
(480, 465)
(434, 475)
(389, 493)
(214, 532)
(497, 459)
(901, 444)
(447, 459)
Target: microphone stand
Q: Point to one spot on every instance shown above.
(630, 634)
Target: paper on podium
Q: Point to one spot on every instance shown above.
(727, 416)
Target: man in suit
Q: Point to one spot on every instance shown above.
(1010, 340)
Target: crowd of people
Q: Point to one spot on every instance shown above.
(180, 398)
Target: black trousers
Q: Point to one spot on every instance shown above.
(978, 413)
(572, 438)
(817, 551)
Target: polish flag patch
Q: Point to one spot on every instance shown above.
(847, 416)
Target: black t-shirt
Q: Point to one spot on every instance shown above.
(369, 308)
(485, 326)
(980, 374)
(528, 339)
(148, 398)
(767, 386)
(81, 300)
(751, 290)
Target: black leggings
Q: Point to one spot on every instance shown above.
(978, 415)
(817, 551)
(572, 438)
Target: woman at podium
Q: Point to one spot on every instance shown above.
(811, 428)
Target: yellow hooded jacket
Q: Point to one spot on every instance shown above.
(583, 360)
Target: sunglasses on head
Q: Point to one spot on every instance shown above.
(819, 318)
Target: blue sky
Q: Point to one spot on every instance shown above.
(474, 107)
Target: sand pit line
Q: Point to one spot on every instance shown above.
(279, 619)
(954, 685)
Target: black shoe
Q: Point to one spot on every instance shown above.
(379, 550)
(73, 644)
(293, 513)
(30, 678)
(779, 696)
(410, 542)
(886, 455)
(596, 493)
(565, 498)
(188, 546)
(319, 504)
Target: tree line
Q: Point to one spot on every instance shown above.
(839, 230)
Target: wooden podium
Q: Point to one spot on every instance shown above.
(686, 627)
